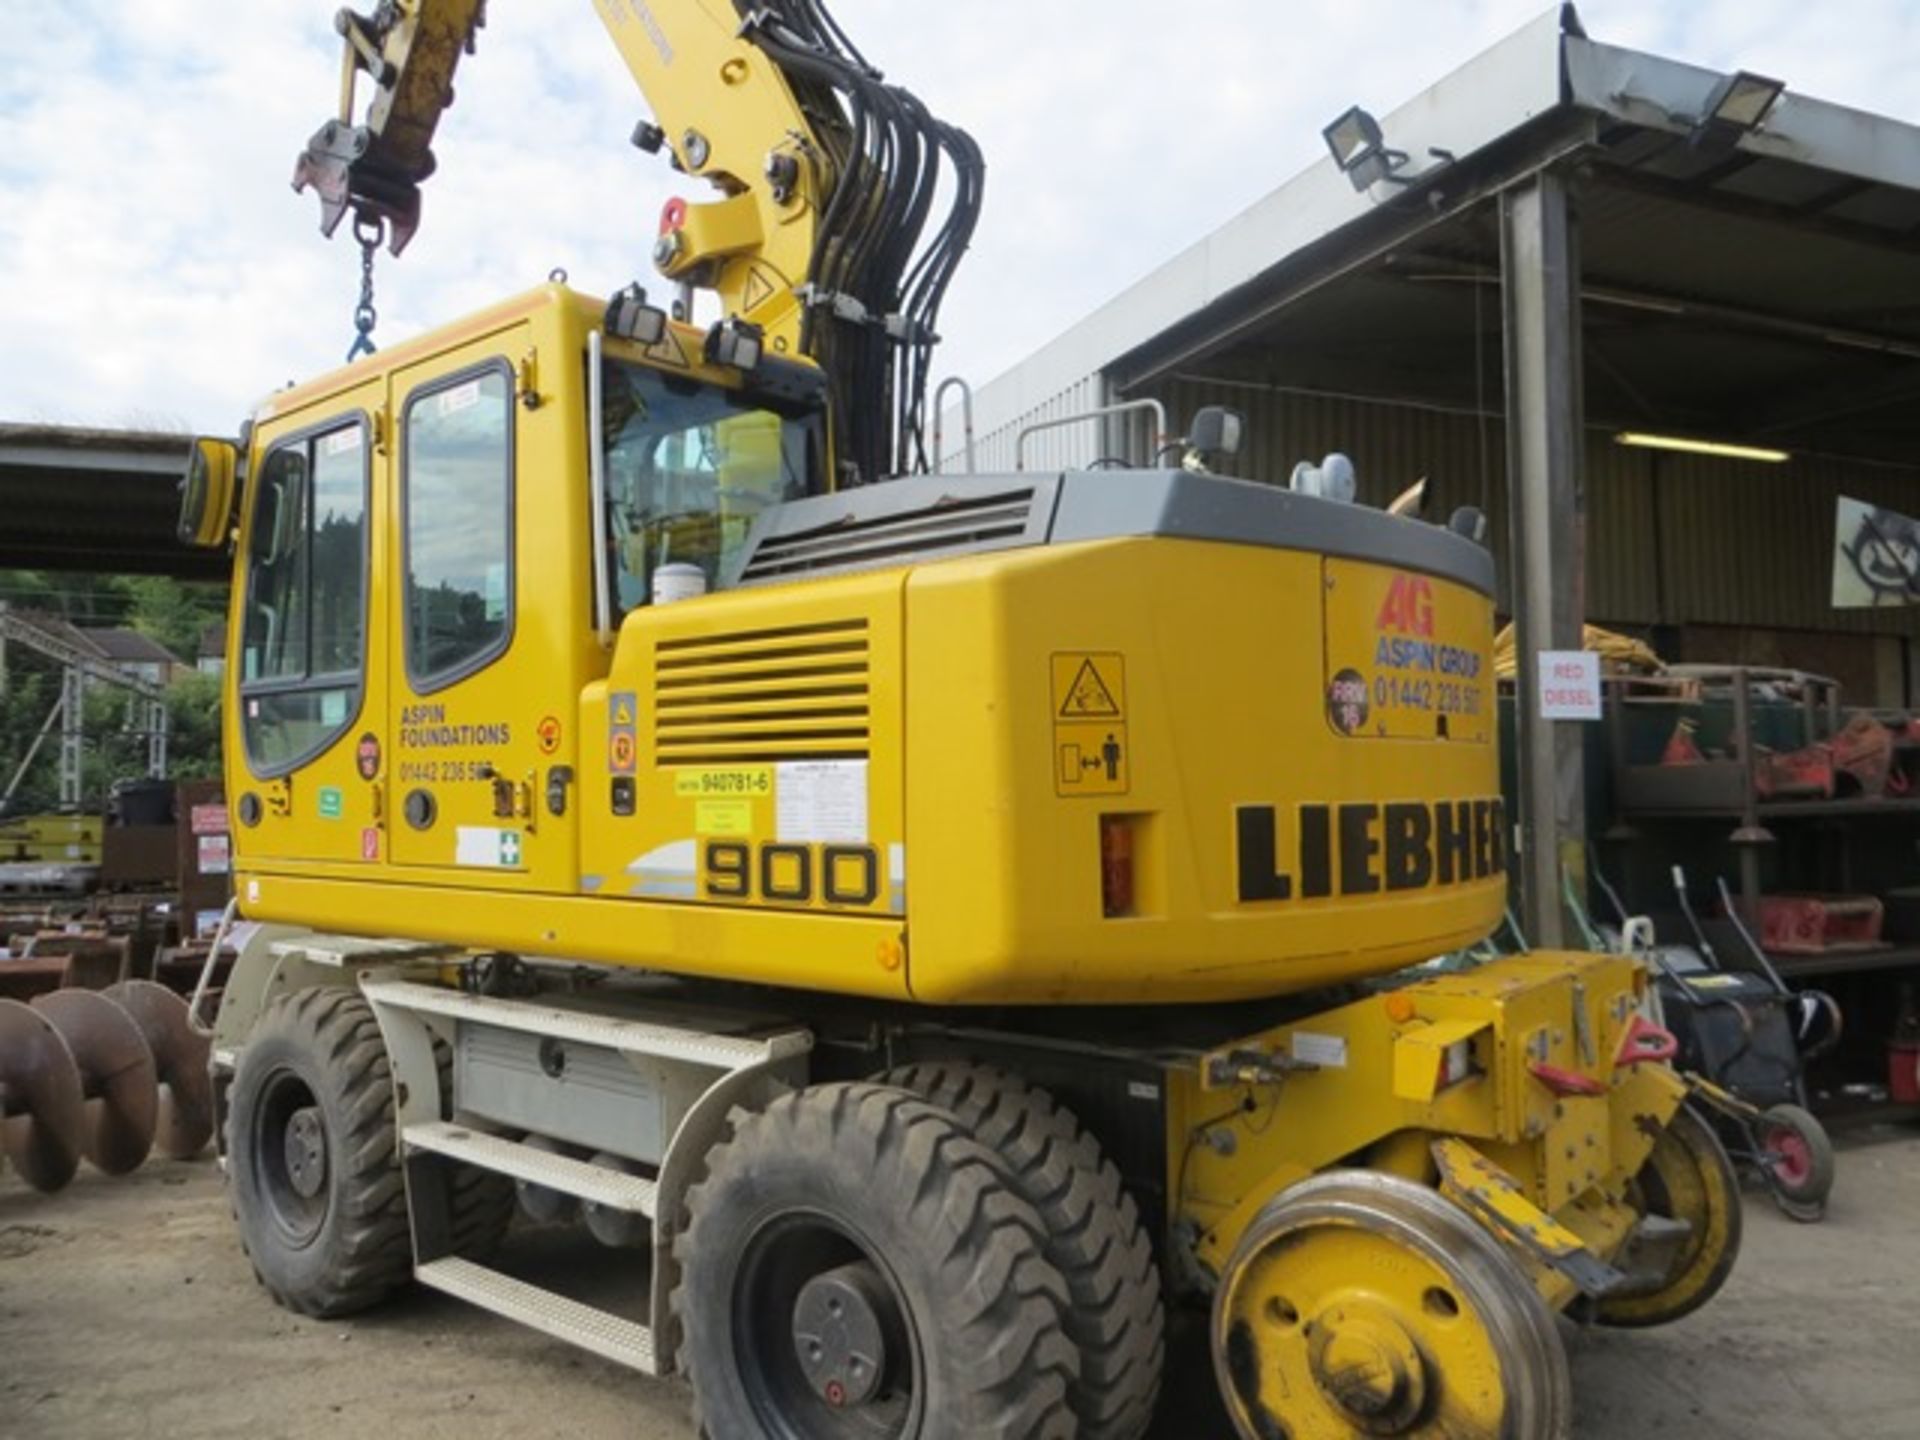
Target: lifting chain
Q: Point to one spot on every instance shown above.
(371, 234)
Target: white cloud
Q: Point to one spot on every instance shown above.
(155, 266)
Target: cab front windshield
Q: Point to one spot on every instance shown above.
(690, 466)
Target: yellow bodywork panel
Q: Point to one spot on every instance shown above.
(1156, 684)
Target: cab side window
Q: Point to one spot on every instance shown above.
(459, 526)
(304, 636)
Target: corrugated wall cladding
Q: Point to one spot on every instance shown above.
(1671, 539)
(1071, 448)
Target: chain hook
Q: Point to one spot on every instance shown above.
(371, 233)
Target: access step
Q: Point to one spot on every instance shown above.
(635, 1037)
(633, 1194)
(343, 950)
(609, 1336)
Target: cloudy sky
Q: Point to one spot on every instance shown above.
(155, 268)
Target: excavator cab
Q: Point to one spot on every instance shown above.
(436, 547)
(689, 467)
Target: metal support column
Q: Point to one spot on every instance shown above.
(73, 694)
(1540, 279)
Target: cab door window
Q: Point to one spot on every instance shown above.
(304, 636)
(459, 526)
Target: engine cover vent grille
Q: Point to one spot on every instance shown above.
(757, 696)
(899, 523)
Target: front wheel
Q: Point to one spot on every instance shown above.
(856, 1267)
(313, 1160)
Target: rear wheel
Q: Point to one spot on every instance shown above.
(1360, 1304)
(1797, 1155)
(1688, 1177)
(1094, 1236)
(855, 1267)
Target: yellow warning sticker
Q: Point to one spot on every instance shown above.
(759, 289)
(668, 350)
(1090, 745)
(742, 781)
(723, 817)
(623, 708)
(1089, 687)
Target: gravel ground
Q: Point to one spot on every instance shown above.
(127, 1310)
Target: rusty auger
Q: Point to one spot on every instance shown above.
(101, 1074)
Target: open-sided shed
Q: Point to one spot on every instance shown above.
(1566, 248)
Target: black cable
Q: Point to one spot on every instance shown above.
(879, 276)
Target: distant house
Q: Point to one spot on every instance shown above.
(134, 654)
(211, 658)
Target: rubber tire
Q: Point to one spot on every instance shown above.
(1691, 1286)
(1807, 1200)
(362, 1251)
(1094, 1236)
(964, 1251)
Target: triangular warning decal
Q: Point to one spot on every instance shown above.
(1089, 697)
(668, 350)
(759, 290)
(623, 711)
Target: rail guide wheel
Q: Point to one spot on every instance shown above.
(1360, 1304)
(1689, 1178)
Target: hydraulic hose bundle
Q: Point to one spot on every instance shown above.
(876, 288)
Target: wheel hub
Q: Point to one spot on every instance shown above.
(306, 1152)
(1364, 1361)
(840, 1324)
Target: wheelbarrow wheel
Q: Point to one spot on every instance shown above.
(1796, 1155)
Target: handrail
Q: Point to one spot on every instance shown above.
(597, 479)
(1125, 407)
(206, 970)
(966, 417)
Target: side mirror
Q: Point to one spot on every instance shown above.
(1217, 431)
(207, 493)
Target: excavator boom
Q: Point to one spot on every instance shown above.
(826, 183)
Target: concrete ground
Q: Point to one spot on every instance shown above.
(127, 1310)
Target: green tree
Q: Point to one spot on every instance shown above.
(173, 613)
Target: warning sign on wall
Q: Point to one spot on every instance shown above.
(1090, 745)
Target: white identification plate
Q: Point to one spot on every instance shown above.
(1329, 1052)
(821, 802)
(487, 847)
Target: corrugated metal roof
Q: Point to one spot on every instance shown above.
(1812, 215)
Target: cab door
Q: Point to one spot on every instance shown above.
(311, 688)
(478, 663)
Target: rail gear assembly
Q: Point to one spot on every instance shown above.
(938, 924)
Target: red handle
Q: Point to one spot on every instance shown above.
(1645, 1042)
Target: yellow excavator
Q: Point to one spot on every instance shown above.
(935, 925)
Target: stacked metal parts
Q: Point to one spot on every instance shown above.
(876, 289)
(104, 1075)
